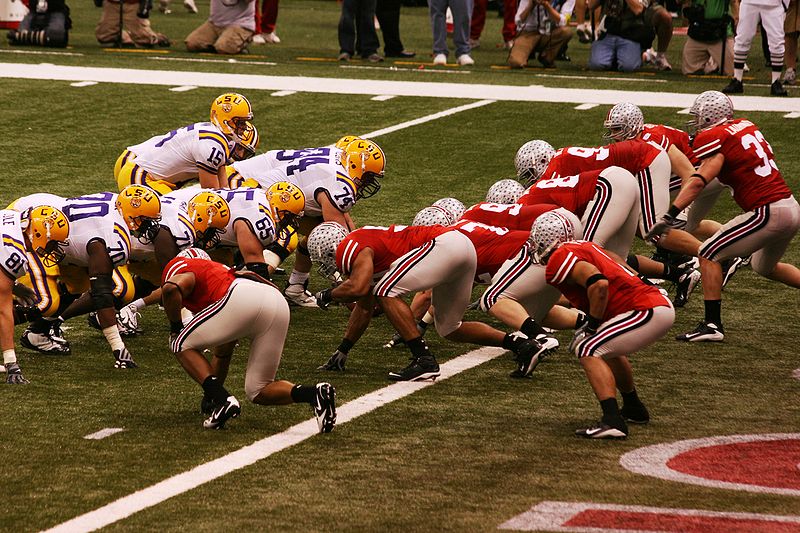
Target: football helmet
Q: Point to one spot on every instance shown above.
(532, 159)
(322, 244)
(194, 253)
(140, 207)
(342, 143)
(709, 109)
(230, 112)
(47, 230)
(624, 121)
(209, 214)
(432, 216)
(365, 163)
(246, 148)
(286, 201)
(549, 231)
(505, 192)
(454, 208)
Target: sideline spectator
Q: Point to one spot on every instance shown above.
(46, 24)
(509, 29)
(462, 12)
(542, 29)
(388, 13)
(792, 29)
(357, 31)
(136, 22)
(265, 23)
(228, 30)
(657, 17)
(709, 24)
(623, 35)
(771, 13)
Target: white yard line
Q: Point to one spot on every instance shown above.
(227, 61)
(83, 83)
(186, 481)
(283, 93)
(584, 107)
(383, 97)
(183, 88)
(41, 52)
(103, 433)
(420, 68)
(510, 93)
(422, 120)
(605, 78)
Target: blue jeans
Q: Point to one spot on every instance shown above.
(462, 14)
(613, 49)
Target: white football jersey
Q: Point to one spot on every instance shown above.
(91, 217)
(246, 204)
(175, 220)
(13, 260)
(313, 170)
(183, 151)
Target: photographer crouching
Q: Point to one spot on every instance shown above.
(134, 17)
(710, 37)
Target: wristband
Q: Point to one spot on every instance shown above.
(175, 326)
(345, 346)
(698, 175)
(592, 323)
(594, 278)
(673, 211)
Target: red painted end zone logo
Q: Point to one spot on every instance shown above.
(755, 463)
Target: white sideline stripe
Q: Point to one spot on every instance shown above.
(510, 93)
(283, 93)
(183, 88)
(248, 455)
(422, 120)
(41, 52)
(83, 83)
(103, 433)
(408, 69)
(653, 461)
(549, 516)
(606, 78)
(584, 107)
(383, 97)
(684, 111)
(197, 60)
(793, 114)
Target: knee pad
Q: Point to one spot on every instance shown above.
(102, 291)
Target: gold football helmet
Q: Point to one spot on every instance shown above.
(140, 207)
(286, 201)
(246, 148)
(230, 112)
(47, 229)
(209, 214)
(365, 163)
(342, 143)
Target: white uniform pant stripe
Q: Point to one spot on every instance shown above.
(713, 246)
(201, 317)
(601, 200)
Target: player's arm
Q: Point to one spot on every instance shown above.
(330, 213)
(350, 224)
(222, 178)
(251, 248)
(209, 180)
(681, 166)
(360, 281)
(6, 312)
(165, 246)
(709, 169)
(586, 275)
(173, 290)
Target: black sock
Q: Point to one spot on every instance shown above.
(531, 329)
(633, 262)
(714, 311)
(422, 326)
(40, 326)
(631, 398)
(610, 408)
(212, 387)
(581, 320)
(418, 348)
(345, 346)
(303, 394)
(671, 273)
(512, 342)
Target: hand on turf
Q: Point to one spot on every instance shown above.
(14, 374)
(324, 298)
(335, 363)
(663, 226)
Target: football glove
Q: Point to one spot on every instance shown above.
(14, 374)
(324, 298)
(124, 359)
(335, 363)
(662, 227)
(580, 335)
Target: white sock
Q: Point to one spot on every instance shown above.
(9, 356)
(738, 73)
(112, 336)
(776, 75)
(298, 278)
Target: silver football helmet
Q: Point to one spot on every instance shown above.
(624, 121)
(195, 253)
(432, 216)
(454, 208)
(505, 192)
(322, 244)
(709, 109)
(532, 159)
(549, 230)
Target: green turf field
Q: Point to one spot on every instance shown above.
(466, 454)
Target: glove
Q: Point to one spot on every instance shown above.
(25, 297)
(586, 330)
(175, 329)
(663, 226)
(14, 374)
(335, 363)
(324, 298)
(124, 359)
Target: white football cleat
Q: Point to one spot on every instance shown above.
(297, 294)
(440, 59)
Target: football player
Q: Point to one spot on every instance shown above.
(13, 263)
(505, 192)
(332, 180)
(99, 229)
(229, 306)
(623, 315)
(199, 151)
(736, 152)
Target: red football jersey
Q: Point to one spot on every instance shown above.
(511, 216)
(571, 192)
(387, 244)
(626, 292)
(633, 155)
(666, 136)
(749, 167)
(493, 246)
(211, 280)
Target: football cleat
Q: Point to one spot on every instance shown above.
(207, 405)
(396, 340)
(128, 321)
(730, 267)
(123, 359)
(601, 430)
(635, 415)
(229, 409)
(420, 369)
(531, 352)
(325, 407)
(685, 285)
(44, 342)
(704, 332)
(297, 294)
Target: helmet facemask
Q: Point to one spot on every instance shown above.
(52, 253)
(367, 185)
(147, 229)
